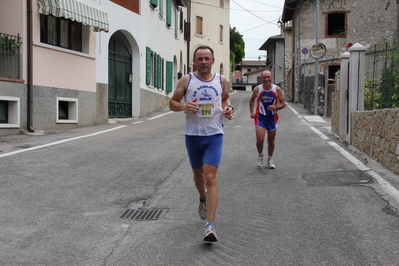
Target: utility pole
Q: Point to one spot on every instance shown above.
(316, 65)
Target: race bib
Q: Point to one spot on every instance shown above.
(206, 110)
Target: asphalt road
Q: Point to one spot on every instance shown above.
(62, 195)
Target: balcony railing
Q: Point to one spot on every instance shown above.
(10, 57)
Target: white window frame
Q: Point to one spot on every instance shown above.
(72, 110)
(13, 112)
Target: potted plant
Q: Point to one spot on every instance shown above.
(9, 45)
(9, 57)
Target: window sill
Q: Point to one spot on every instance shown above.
(12, 80)
(60, 49)
(5, 125)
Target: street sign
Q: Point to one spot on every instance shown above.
(305, 53)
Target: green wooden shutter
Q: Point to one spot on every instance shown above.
(148, 66)
(159, 71)
(154, 2)
(163, 74)
(169, 12)
(169, 76)
(161, 8)
(176, 22)
(155, 69)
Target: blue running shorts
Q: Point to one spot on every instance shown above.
(270, 122)
(204, 150)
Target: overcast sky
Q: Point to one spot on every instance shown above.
(256, 20)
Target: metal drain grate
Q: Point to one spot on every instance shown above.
(140, 215)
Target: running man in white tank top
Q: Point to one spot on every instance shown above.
(206, 104)
(266, 99)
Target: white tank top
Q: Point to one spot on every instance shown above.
(209, 119)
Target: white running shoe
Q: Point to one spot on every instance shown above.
(259, 162)
(270, 164)
(202, 210)
(210, 234)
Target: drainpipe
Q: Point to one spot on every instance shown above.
(298, 56)
(29, 67)
(188, 41)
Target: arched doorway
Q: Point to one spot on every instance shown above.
(119, 77)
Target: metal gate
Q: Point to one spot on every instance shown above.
(119, 80)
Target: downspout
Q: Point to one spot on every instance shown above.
(188, 41)
(298, 56)
(295, 77)
(29, 67)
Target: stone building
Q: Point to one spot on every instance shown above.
(337, 25)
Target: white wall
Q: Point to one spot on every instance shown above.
(146, 29)
(213, 16)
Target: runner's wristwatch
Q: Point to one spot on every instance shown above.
(232, 107)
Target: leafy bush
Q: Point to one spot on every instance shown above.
(9, 44)
(371, 94)
(389, 85)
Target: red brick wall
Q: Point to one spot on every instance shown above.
(132, 5)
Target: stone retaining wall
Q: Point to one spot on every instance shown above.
(375, 133)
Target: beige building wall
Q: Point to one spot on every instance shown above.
(215, 16)
(58, 67)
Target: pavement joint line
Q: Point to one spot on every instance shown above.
(59, 142)
(385, 185)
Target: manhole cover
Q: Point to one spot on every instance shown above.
(141, 215)
(337, 178)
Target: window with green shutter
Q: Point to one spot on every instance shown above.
(169, 76)
(169, 12)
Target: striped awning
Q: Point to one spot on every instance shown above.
(86, 12)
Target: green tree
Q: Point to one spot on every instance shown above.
(237, 47)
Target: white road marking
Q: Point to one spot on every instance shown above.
(321, 135)
(59, 142)
(155, 117)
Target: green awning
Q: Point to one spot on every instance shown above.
(86, 12)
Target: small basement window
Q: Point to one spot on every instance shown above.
(67, 110)
(9, 112)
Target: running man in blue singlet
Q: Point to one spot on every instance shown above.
(266, 99)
